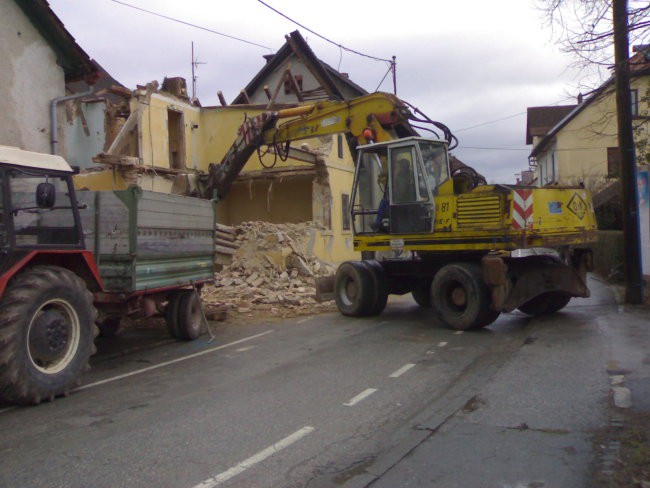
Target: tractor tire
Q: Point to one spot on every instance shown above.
(190, 317)
(461, 299)
(546, 303)
(422, 296)
(354, 290)
(47, 333)
(380, 286)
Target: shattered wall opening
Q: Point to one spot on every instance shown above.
(280, 199)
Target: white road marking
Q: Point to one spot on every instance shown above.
(459, 332)
(255, 459)
(402, 370)
(442, 344)
(168, 363)
(244, 349)
(361, 396)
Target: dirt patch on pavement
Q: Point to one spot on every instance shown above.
(624, 451)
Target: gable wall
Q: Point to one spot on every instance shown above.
(30, 80)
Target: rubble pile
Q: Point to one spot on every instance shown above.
(272, 271)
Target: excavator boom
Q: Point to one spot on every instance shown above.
(377, 117)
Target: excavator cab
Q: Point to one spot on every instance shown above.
(395, 184)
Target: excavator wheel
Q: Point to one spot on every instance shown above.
(380, 286)
(546, 303)
(354, 290)
(47, 333)
(461, 299)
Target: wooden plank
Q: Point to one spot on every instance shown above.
(224, 250)
(134, 119)
(224, 236)
(228, 244)
(225, 228)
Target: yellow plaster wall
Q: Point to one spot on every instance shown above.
(582, 144)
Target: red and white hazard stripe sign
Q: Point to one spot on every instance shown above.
(522, 209)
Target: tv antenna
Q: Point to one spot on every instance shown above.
(195, 66)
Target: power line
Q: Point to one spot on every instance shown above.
(190, 24)
(507, 117)
(340, 46)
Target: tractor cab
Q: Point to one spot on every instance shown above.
(395, 184)
(37, 208)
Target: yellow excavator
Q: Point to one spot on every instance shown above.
(464, 248)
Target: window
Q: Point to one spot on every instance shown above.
(41, 226)
(175, 129)
(613, 162)
(345, 211)
(634, 97)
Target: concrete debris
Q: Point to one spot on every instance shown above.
(272, 272)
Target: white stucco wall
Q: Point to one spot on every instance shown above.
(30, 80)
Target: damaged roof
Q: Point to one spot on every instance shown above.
(328, 77)
(70, 56)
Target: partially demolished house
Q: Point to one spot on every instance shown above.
(161, 140)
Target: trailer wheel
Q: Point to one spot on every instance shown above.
(47, 332)
(380, 286)
(422, 296)
(460, 297)
(354, 289)
(171, 313)
(190, 318)
(546, 303)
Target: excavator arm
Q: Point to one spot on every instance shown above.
(376, 117)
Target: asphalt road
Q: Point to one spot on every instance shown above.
(308, 402)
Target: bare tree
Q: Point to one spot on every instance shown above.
(584, 28)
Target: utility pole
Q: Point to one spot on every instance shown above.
(393, 67)
(631, 232)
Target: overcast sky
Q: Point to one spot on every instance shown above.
(475, 65)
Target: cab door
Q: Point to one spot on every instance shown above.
(411, 203)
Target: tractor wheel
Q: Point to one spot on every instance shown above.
(422, 296)
(47, 332)
(354, 290)
(380, 286)
(546, 303)
(460, 297)
(190, 318)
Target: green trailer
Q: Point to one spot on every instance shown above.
(154, 251)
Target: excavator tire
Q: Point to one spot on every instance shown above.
(47, 333)
(461, 299)
(354, 290)
(380, 286)
(546, 303)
